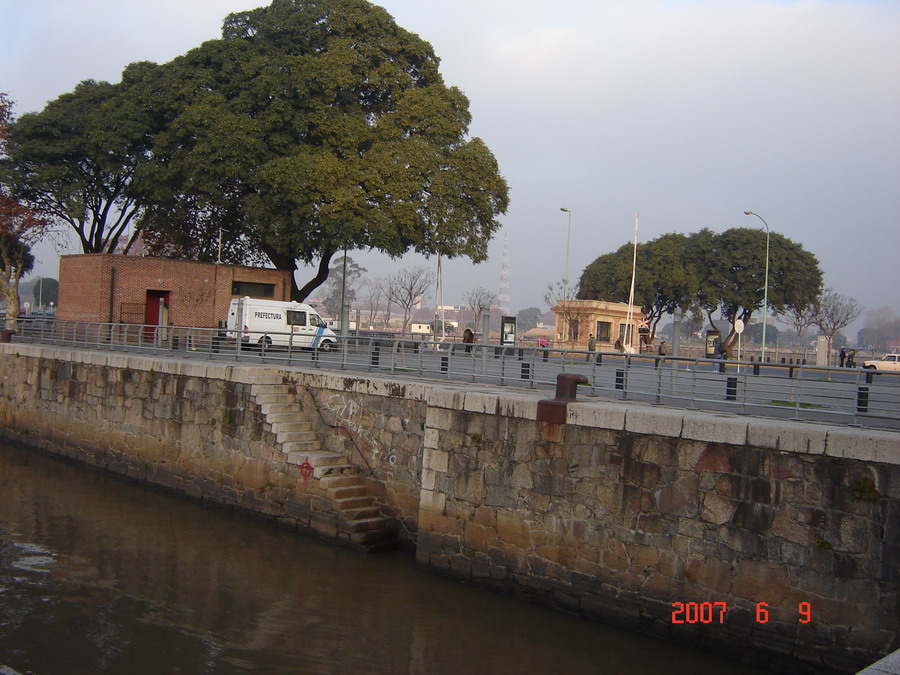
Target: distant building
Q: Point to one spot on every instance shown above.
(109, 288)
(606, 320)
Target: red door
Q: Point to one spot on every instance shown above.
(156, 313)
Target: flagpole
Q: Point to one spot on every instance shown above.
(629, 328)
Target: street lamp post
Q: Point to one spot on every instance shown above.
(762, 354)
(566, 278)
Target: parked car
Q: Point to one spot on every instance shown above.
(887, 362)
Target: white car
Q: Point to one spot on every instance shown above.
(888, 362)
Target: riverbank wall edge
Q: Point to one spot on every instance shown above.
(775, 540)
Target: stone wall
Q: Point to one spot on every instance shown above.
(190, 426)
(645, 516)
(772, 541)
(378, 425)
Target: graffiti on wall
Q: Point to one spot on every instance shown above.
(347, 411)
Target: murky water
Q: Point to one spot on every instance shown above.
(103, 576)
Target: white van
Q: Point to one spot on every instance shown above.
(277, 323)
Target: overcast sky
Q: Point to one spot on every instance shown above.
(688, 112)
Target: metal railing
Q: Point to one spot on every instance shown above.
(796, 391)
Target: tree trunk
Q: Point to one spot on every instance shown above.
(286, 262)
(10, 290)
(318, 280)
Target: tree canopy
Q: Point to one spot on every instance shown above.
(664, 279)
(20, 226)
(707, 272)
(310, 127)
(75, 161)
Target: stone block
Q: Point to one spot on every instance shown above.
(787, 527)
(428, 479)
(430, 500)
(522, 477)
(654, 421)
(478, 537)
(436, 460)
(519, 407)
(714, 457)
(786, 436)
(479, 402)
(681, 498)
(761, 581)
(716, 509)
(449, 398)
(439, 419)
(725, 429)
(513, 529)
(502, 497)
(869, 445)
(597, 415)
(713, 575)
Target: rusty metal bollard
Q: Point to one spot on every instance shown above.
(553, 411)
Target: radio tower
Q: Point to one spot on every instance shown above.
(504, 277)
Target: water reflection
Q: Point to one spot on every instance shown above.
(102, 576)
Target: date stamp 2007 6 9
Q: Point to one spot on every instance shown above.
(715, 612)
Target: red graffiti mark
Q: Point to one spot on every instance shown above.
(306, 470)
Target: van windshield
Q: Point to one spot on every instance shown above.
(316, 320)
(296, 318)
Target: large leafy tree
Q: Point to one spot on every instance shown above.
(734, 267)
(663, 282)
(708, 272)
(76, 161)
(20, 227)
(313, 126)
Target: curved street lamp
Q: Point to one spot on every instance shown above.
(762, 354)
(566, 278)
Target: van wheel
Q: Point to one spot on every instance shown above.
(326, 346)
(265, 342)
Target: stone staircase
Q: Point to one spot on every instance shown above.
(295, 431)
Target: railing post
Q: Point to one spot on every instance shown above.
(731, 389)
(862, 399)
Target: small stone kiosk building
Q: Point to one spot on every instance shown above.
(128, 289)
(606, 320)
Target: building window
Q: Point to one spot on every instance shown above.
(573, 329)
(604, 331)
(247, 288)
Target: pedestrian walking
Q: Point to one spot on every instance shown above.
(591, 345)
(842, 356)
(468, 339)
(851, 358)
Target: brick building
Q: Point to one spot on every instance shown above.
(106, 288)
(606, 320)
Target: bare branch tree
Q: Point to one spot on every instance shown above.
(480, 300)
(834, 312)
(373, 294)
(555, 296)
(407, 288)
(800, 318)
